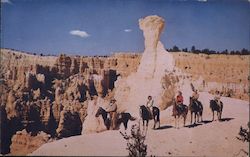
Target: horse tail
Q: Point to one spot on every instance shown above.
(211, 104)
(156, 112)
(201, 107)
(201, 111)
(221, 106)
(186, 109)
(132, 118)
(158, 116)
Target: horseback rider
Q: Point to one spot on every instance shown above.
(111, 109)
(195, 97)
(217, 98)
(149, 105)
(179, 98)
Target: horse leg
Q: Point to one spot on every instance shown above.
(178, 122)
(147, 126)
(184, 117)
(154, 123)
(159, 124)
(201, 116)
(213, 116)
(219, 115)
(143, 124)
(125, 125)
(198, 117)
(175, 121)
(158, 119)
(195, 115)
(191, 118)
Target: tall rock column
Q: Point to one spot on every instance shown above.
(156, 63)
(152, 27)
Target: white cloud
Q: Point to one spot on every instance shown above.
(79, 33)
(127, 30)
(202, 0)
(6, 1)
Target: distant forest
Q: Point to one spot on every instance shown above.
(174, 49)
(207, 51)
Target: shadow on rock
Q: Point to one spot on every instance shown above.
(225, 119)
(164, 127)
(193, 125)
(206, 121)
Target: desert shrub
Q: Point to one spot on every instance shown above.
(244, 134)
(135, 142)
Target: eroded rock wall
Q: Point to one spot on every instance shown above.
(226, 73)
(47, 93)
(23, 143)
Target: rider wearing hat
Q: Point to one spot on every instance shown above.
(217, 98)
(111, 109)
(195, 96)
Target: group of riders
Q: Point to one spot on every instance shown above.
(195, 96)
(112, 107)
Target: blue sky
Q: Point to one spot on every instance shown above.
(99, 27)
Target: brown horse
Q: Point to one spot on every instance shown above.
(179, 111)
(215, 107)
(197, 109)
(121, 118)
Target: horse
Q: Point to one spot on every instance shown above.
(178, 112)
(197, 109)
(146, 116)
(122, 118)
(215, 107)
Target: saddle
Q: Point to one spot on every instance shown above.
(180, 108)
(219, 103)
(150, 113)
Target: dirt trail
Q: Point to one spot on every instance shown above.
(205, 139)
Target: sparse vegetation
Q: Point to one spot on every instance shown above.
(135, 142)
(244, 136)
(207, 51)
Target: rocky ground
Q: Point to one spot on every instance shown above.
(217, 138)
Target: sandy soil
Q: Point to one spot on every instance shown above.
(217, 138)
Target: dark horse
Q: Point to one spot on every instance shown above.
(197, 109)
(215, 107)
(180, 111)
(145, 115)
(122, 118)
